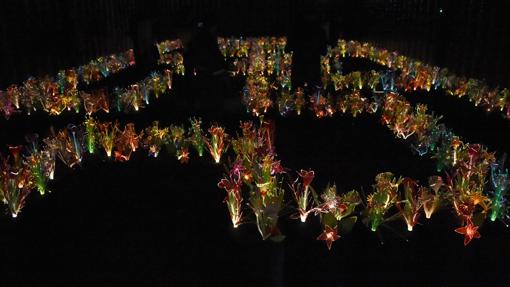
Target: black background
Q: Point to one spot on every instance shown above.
(155, 222)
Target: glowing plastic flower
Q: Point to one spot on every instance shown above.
(470, 231)
(329, 235)
(217, 143)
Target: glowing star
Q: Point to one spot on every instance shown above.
(470, 231)
(329, 235)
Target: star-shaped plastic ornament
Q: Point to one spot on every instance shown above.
(329, 235)
(470, 231)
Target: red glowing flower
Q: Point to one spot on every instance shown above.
(470, 231)
(307, 176)
(277, 168)
(329, 235)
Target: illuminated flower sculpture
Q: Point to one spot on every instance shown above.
(410, 204)
(431, 197)
(335, 211)
(262, 174)
(180, 143)
(217, 143)
(67, 146)
(40, 163)
(90, 134)
(107, 135)
(500, 182)
(383, 198)
(126, 142)
(232, 184)
(95, 101)
(302, 193)
(197, 136)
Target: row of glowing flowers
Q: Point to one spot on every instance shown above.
(427, 135)
(467, 164)
(256, 171)
(170, 53)
(53, 95)
(416, 75)
(130, 98)
(31, 167)
(266, 65)
(256, 176)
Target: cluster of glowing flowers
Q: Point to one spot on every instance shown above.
(102, 67)
(356, 80)
(469, 169)
(398, 115)
(257, 90)
(180, 143)
(56, 94)
(41, 162)
(137, 95)
(353, 103)
(126, 142)
(337, 206)
(262, 174)
(415, 75)
(170, 53)
(234, 47)
(22, 173)
(235, 51)
(67, 144)
(155, 138)
(257, 171)
(286, 102)
(266, 192)
(345, 97)
(267, 68)
(16, 181)
(95, 101)
(382, 199)
(54, 97)
(335, 210)
(322, 105)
